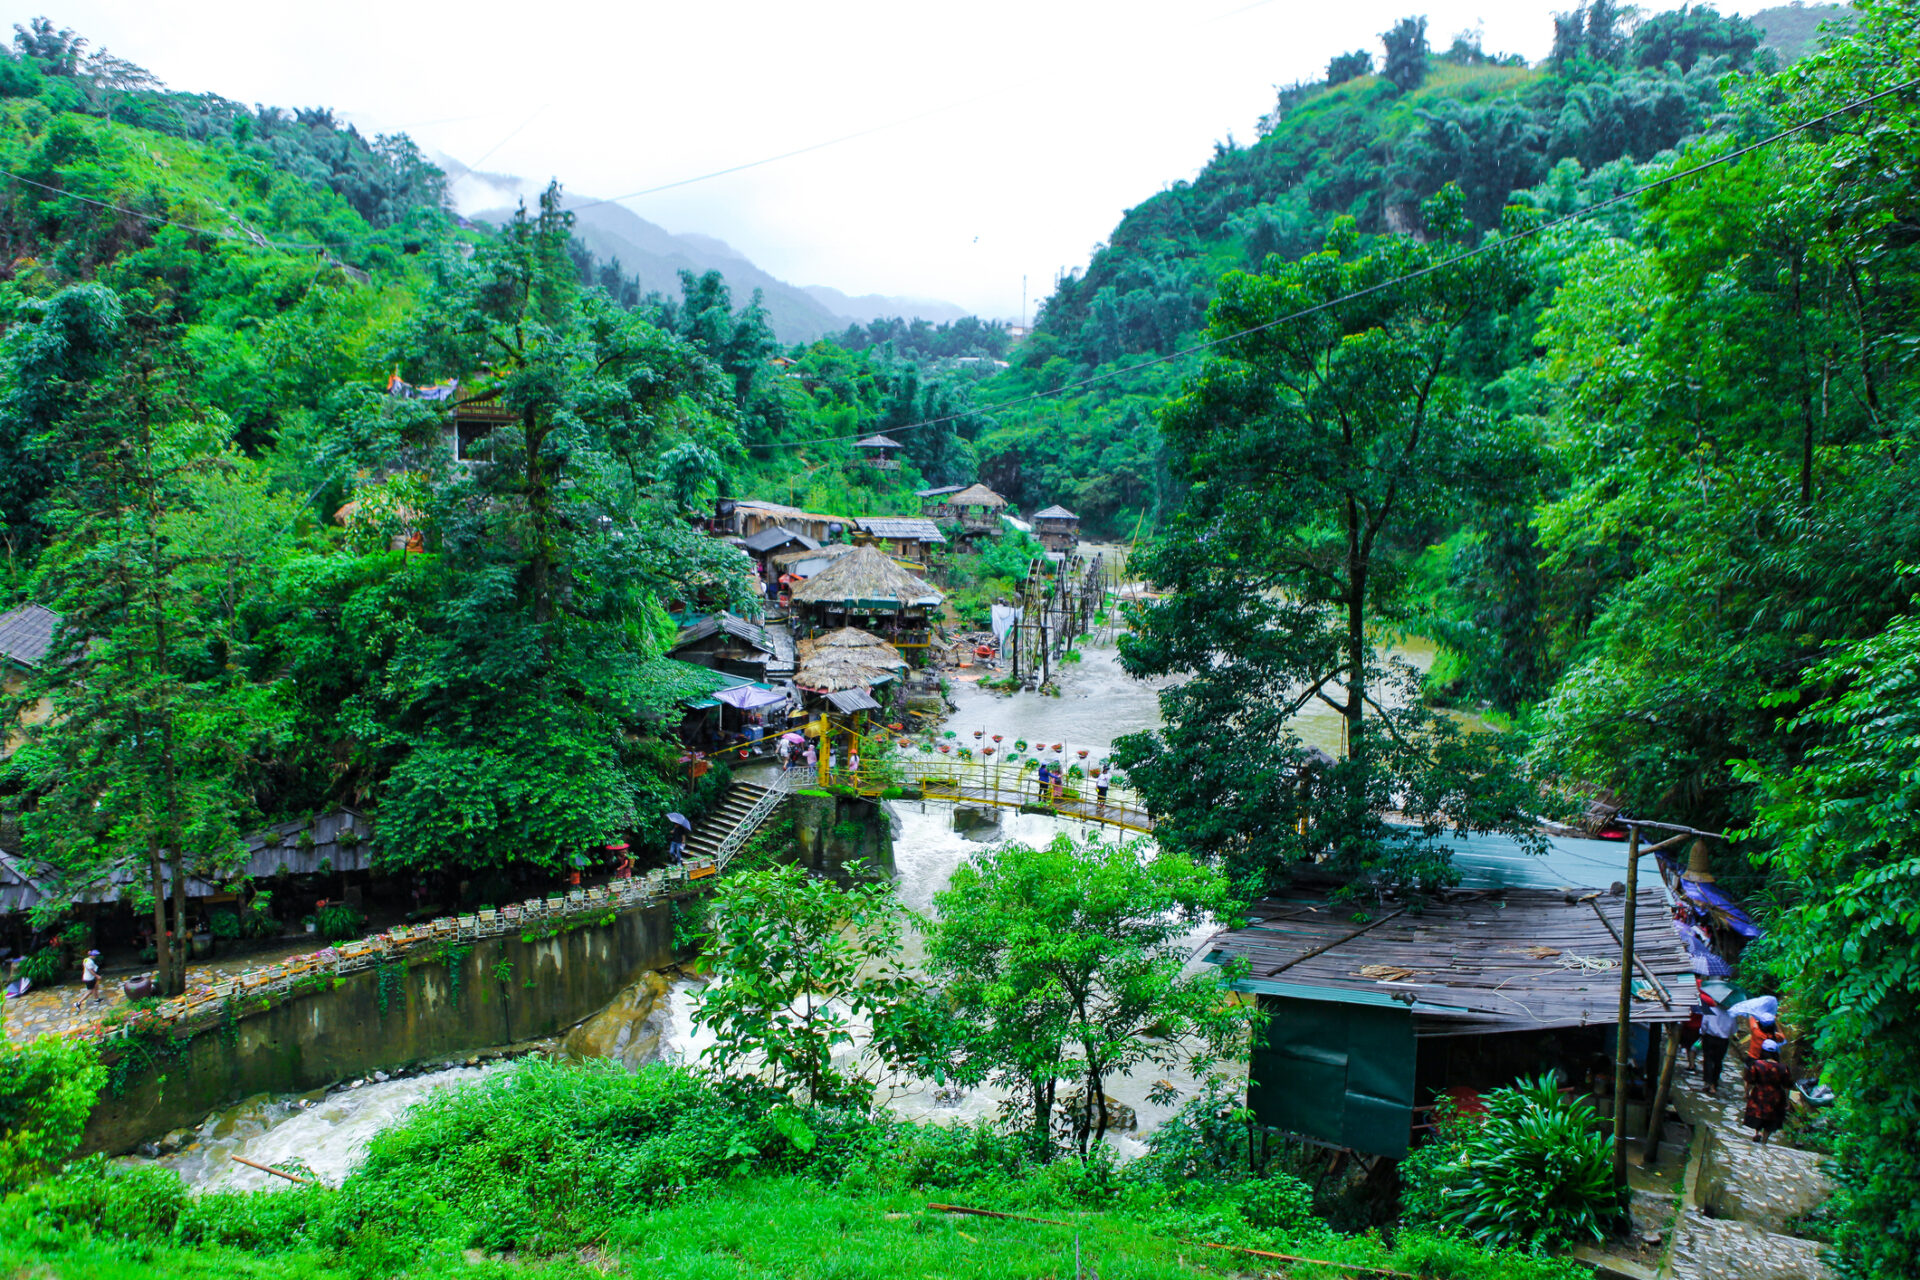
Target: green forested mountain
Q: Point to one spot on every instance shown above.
(1648, 476)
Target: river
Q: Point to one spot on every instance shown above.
(1099, 702)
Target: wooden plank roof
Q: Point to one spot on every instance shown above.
(1515, 960)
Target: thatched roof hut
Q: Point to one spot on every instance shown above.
(976, 496)
(866, 578)
(848, 658)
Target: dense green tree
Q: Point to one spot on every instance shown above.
(153, 715)
(1347, 66)
(1406, 65)
(1066, 963)
(1845, 835)
(809, 993)
(1320, 448)
(533, 663)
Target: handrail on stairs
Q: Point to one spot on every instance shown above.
(736, 839)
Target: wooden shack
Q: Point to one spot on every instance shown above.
(723, 642)
(866, 589)
(772, 541)
(839, 672)
(751, 516)
(1372, 1016)
(974, 510)
(908, 537)
(1057, 528)
(877, 453)
(26, 634)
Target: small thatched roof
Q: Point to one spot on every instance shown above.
(866, 575)
(976, 496)
(847, 658)
(845, 638)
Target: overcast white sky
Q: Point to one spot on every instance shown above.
(1019, 129)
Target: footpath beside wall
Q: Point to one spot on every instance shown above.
(450, 1001)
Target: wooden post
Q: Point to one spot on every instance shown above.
(1623, 1029)
(1650, 1154)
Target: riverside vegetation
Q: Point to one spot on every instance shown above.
(1654, 494)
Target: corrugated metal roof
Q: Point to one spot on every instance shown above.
(26, 633)
(1055, 512)
(776, 536)
(938, 490)
(915, 527)
(852, 700)
(877, 442)
(739, 628)
(1482, 961)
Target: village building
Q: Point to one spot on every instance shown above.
(723, 642)
(904, 537)
(845, 672)
(865, 588)
(763, 546)
(750, 516)
(1373, 1018)
(794, 567)
(877, 453)
(26, 634)
(975, 510)
(1058, 529)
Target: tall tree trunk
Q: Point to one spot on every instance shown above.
(162, 945)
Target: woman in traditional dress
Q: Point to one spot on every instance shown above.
(1767, 1085)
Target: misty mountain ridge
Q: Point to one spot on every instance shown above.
(656, 256)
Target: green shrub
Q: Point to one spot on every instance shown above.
(226, 926)
(43, 967)
(47, 1088)
(339, 922)
(127, 1202)
(1535, 1172)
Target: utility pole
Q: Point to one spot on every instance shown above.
(1624, 1026)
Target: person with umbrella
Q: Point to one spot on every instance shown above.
(790, 744)
(678, 828)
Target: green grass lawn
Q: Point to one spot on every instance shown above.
(787, 1227)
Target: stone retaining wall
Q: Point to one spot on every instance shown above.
(446, 1000)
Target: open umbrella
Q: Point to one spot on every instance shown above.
(679, 820)
(794, 738)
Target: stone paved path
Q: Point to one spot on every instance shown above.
(1744, 1200)
(46, 1009)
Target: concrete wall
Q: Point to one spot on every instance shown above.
(308, 1042)
(821, 844)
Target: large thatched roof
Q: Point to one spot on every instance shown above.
(977, 496)
(866, 575)
(848, 658)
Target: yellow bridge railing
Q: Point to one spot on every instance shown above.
(1001, 784)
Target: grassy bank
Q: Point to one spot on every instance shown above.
(566, 1170)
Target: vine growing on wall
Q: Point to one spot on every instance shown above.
(455, 957)
(392, 978)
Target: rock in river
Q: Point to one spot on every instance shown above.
(630, 1030)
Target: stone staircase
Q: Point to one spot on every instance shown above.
(748, 805)
(1741, 1201)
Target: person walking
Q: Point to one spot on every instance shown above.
(813, 757)
(89, 979)
(676, 843)
(1046, 775)
(1767, 1085)
(1100, 779)
(1716, 1029)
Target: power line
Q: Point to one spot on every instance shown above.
(1485, 247)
